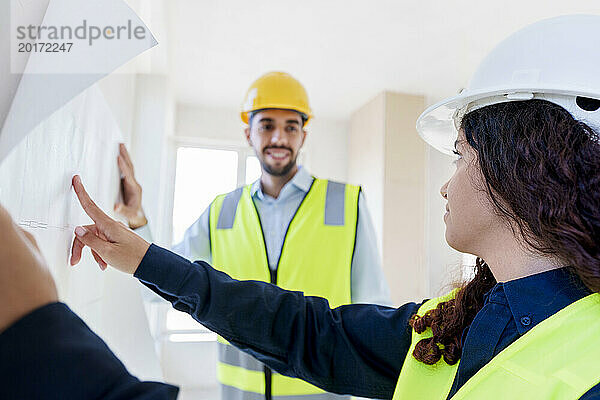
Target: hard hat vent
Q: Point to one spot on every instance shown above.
(587, 103)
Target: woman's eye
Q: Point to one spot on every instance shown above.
(459, 156)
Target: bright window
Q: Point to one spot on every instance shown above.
(200, 175)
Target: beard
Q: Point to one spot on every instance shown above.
(280, 170)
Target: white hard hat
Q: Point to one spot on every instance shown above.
(557, 60)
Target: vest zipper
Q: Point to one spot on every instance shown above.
(268, 380)
(268, 372)
(273, 276)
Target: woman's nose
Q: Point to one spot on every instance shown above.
(444, 191)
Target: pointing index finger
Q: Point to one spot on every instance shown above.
(88, 205)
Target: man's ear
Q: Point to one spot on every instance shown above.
(247, 132)
(303, 136)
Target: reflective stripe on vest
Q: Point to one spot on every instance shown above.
(236, 358)
(557, 359)
(233, 393)
(328, 214)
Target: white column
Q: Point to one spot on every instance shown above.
(153, 123)
(402, 176)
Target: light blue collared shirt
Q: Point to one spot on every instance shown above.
(368, 283)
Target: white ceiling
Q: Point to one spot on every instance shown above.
(344, 52)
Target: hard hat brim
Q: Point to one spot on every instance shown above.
(438, 124)
(306, 115)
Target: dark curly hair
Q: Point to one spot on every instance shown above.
(541, 170)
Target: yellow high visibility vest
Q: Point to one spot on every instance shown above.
(316, 259)
(557, 359)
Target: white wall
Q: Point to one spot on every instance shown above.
(366, 164)
(153, 124)
(403, 238)
(211, 123)
(389, 159)
(326, 148)
(119, 92)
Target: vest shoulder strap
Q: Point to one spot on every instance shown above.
(229, 207)
(556, 359)
(335, 200)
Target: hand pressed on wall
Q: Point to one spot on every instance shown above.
(131, 207)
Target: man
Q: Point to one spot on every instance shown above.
(288, 228)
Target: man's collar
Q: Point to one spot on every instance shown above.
(302, 180)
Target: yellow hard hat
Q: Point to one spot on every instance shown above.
(276, 90)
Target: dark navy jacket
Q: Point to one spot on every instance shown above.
(355, 349)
